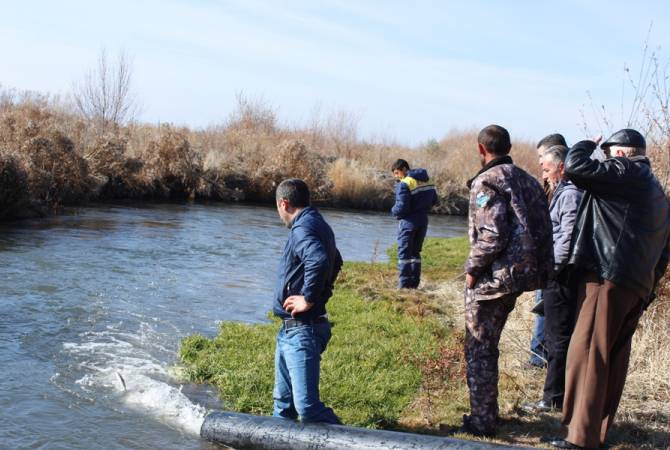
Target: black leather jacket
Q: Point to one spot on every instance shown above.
(623, 224)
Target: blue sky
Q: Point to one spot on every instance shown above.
(410, 70)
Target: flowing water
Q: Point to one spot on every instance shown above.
(93, 305)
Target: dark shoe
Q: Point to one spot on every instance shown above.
(469, 428)
(562, 443)
(539, 407)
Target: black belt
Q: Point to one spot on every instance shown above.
(290, 323)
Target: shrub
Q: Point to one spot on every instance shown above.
(359, 187)
(55, 173)
(172, 165)
(14, 198)
(290, 159)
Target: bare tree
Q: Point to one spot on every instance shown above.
(645, 101)
(104, 97)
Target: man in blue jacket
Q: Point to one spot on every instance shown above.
(414, 197)
(309, 266)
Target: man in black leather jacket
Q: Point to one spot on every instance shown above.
(620, 249)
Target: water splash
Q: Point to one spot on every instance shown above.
(120, 362)
(164, 402)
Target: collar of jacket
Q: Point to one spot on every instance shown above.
(640, 159)
(495, 162)
(561, 185)
(299, 216)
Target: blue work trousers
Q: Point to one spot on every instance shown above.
(538, 349)
(410, 242)
(297, 367)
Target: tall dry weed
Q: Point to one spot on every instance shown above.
(290, 159)
(55, 173)
(359, 187)
(648, 384)
(172, 165)
(14, 196)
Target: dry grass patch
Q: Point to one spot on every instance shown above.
(642, 419)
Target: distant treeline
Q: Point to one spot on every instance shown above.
(52, 155)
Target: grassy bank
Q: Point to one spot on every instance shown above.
(396, 359)
(368, 385)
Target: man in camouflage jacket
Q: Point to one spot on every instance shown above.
(510, 252)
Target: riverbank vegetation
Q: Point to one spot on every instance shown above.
(86, 146)
(396, 359)
(59, 151)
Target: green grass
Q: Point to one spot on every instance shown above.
(384, 343)
(441, 258)
(396, 359)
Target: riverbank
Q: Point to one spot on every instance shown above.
(396, 359)
(51, 156)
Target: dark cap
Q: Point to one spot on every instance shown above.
(626, 138)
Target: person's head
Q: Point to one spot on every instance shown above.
(400, 169)
(493, 142)
(292, 196)
(625, 143)
(549, 141)
(553, 164)
(626, 152)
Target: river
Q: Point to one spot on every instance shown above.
(111, 290)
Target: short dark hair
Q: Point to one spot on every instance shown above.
(400, 164)
(496, 140)
(551, 140)
(294, 191)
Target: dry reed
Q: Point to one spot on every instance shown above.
(60, 158)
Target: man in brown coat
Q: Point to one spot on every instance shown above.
(510, 252)
(620, 249)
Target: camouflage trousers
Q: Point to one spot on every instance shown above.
(484, 322)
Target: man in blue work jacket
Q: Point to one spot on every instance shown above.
(414, 197)
(309, 266)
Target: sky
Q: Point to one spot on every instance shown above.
(409, 71)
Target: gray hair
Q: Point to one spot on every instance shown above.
(555, 154)
(629, 151)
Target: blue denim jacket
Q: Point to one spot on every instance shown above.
(309, 266)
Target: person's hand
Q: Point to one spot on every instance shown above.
(596, 140)
(296, 304)
(470, 281)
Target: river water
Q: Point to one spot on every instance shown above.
(108, 292)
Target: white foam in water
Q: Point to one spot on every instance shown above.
(164, 402)
(111, 358)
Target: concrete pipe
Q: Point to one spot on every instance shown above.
(244, 431)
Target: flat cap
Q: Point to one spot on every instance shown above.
(626, 138)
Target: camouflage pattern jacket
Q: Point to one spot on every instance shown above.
(511, 246)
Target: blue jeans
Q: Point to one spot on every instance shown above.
(297, 367)
(538, 355)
